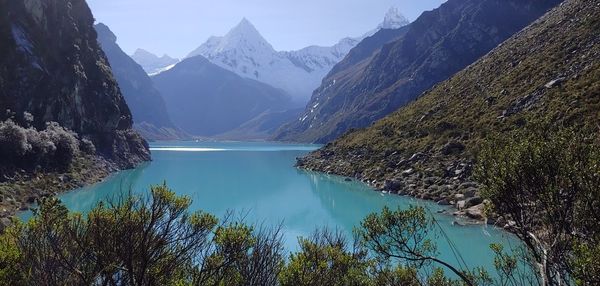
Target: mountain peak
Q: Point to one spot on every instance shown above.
(393, 19)
(246, 28)
(105, 34)
(152, 63)
(244, 39)
(245, 22)
(139, 52)
(142, 52)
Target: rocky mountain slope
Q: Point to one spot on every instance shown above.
(146, 103)
(152, 63)
(53, 70)
(548, 72)
(206, 100)
(244, 51)
(429, 50)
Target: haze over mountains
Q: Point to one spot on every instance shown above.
(244, 51)
(239, 87)
(152, 63)
(147, 106)
(206, 100)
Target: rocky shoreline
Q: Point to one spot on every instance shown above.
(442, 178)
(22, 190)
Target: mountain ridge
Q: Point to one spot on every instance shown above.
(387, 75)
(548, 73)
(146, 103)
(245, 51)
(206, 100)
(152, 63)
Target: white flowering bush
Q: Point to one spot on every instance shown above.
(53, 147)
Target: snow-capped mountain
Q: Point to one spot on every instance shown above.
(321, 59)
(152, 63)
(244, 51)
(393, 20)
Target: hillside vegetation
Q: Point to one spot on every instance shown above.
(547, 74)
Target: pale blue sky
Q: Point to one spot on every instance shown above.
(177, 27)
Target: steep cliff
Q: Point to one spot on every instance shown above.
(52, 67)
(53, 70)
(147, 105)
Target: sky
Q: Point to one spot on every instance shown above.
(176, 27)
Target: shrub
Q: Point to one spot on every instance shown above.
(28, 148)
(546, 183)
(66, 142)
(87, 146)
(138, 240)
(13, 141)
(327, 259)
(42, 147)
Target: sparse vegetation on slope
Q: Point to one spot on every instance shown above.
(547, 73)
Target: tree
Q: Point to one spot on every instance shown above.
(405, 235)
(326, 258)
(241, 255)
(138, 240)
(546, 184)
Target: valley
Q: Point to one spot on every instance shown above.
(456, 146)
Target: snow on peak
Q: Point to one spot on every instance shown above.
(243, 38)
(245, 27)
(151, 63)
(393, 19)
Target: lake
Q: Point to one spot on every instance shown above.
(259, 180)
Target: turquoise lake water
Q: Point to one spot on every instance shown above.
(259, 179)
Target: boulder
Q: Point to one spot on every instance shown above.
(31, 199)
(430, 180)
(468, 185)
(443, 202)
(452, 148)
(555, 82)
(475, 212)
(393, 185)
(473, 202)
(470, 193)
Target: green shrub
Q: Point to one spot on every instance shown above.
(546, 184)
(327, 259)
